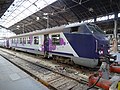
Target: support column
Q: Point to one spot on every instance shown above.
(23, 28)
(48, 21)
(115, 29)
(115, 45)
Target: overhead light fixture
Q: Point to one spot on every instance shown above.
(91, 9)
(45, 17)
(45, 14)
(52, 13)
(37, 18)
(104, 31)
(18, 26)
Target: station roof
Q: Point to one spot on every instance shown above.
(63, 12)
(4, 5)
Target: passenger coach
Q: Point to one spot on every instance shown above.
(79, 43)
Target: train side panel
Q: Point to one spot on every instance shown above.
(82, 53)
(31, 43)
(59, 45)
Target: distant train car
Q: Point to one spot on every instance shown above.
(80, 43)
(4, 42)
(111, 37)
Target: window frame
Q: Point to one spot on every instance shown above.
(28, 40)
(36, 40)
(74, 29)
(24, 40)
(56, 39)
(21, 40)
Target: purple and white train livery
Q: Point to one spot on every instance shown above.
(81, 43)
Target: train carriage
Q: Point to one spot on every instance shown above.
(80, 43)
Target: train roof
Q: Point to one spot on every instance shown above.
(43, 31)
(50, 30)
(74, 24)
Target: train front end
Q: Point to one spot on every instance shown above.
(101, 41)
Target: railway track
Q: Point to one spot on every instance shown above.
(51, 78)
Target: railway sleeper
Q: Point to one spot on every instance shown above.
(67, 86)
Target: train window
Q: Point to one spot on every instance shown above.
(56, 39)
(24, 40)
(74, 29)
(20, 40)
(28, 40)
(36, 40)
(12, 40)
(17, 40)
(95, 29)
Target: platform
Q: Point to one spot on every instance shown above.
(12, 78)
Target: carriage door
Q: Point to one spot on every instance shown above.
(46, 45)
(7, 43)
